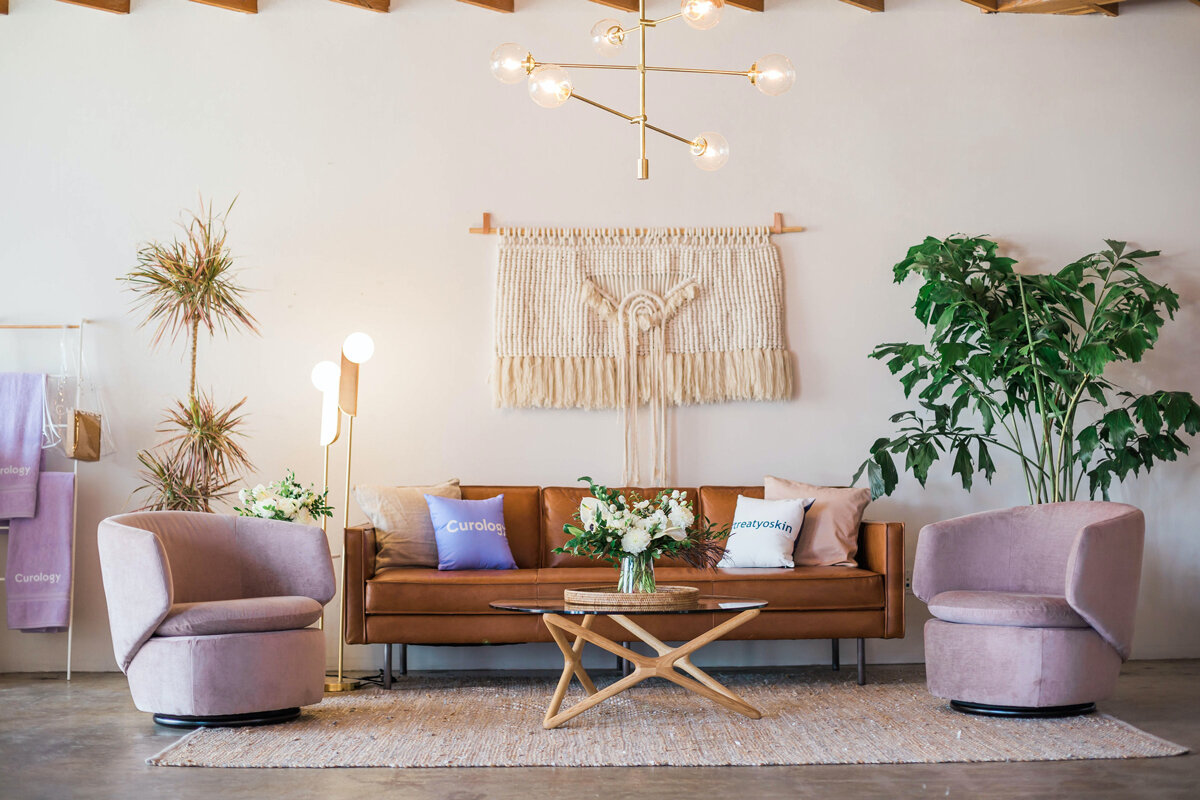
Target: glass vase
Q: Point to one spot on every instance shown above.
(637, 575)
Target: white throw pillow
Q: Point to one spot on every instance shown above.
(764, 532)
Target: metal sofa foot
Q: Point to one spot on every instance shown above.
(862, 662)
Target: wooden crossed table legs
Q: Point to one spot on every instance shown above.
(661, 666)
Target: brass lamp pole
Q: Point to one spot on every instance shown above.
(325, 377)
(357, 349)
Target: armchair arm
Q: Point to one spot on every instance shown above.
(137, 585)
(359, 553)
(881, 549)
(283, 558)
(1103, 574)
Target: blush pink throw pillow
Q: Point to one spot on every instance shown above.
(829, 537)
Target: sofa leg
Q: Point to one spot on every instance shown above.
(862, 662)
(626, 666)
(403, 659)
(837, 655)
(387, 666)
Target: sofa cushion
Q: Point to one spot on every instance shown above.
(1015, 609)
(764, 532)
(559, 504)
(417, 590)
(470, 533)
(247, 615)
(804, 588)
(403, 530)
(522, 519)
(830, 534)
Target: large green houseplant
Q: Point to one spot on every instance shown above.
(1017, 362)
(187, 287)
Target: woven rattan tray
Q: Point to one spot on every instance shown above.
(664, 597)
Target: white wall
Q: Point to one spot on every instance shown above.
(362, 146)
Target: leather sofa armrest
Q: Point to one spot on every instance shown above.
(881, 549)
(359, 553)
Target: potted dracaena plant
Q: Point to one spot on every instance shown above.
(187, 287)
(1019, 363)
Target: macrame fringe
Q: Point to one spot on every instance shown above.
(691, 378)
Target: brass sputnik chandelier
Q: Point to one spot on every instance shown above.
(550, 84)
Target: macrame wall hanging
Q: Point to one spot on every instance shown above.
(608, 319)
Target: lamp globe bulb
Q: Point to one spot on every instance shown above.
(773, 75)
(550, 86)
(509, 63)
(325, 376)
(607, 37)
(358, 348)
(701, 14)
(710, 151)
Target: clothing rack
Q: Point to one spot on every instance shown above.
(74, 470)
(776, 227)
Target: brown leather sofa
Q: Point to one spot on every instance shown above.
(421, 606)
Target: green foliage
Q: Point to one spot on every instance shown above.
(1017, 362)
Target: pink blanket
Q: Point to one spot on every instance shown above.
(22, 397)
(38, 575)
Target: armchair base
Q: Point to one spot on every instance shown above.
(1023, 712)
(228, 720)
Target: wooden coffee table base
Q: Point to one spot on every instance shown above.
(664, 665)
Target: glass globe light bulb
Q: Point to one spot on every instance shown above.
(607, 37)
(710, 151)
(773, 74)
(508, 63)
(325, 376)
(358, 348)
(549, 86)
(701, 14)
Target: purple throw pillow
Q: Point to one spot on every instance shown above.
(470, 533)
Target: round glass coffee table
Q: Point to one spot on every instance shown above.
(557, 614)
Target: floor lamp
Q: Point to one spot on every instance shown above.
(326, 377)
(357, 349)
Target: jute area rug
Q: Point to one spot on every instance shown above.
(808, 718)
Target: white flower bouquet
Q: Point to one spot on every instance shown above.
(631, 531)
(284, 500)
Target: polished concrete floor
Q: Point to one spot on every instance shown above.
(85, 740)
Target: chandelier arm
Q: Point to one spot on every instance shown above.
(650, 23)
(583, 66)
(601, 106)
(688, 142)
(630, 118)
(745, 73)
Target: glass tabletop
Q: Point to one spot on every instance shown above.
(705, 604)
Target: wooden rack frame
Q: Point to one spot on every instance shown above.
(74, 471)
(776, 227)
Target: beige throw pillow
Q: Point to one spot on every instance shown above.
(830, 533)
(403, 530)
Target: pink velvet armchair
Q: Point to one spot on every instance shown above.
(1033, 606)
(210, 614)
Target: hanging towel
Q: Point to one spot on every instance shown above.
(22, 400)
(38, 577)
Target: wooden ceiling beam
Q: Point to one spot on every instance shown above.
(622, 5)
(1047, 6)
(382, 6)
(866, 5)
(503, 6)
(3, 6)
(986, 6)
(114, 6)
(1107, 9)
(752, 5)
(244, 6)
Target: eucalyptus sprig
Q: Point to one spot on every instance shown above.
(1016, 362)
